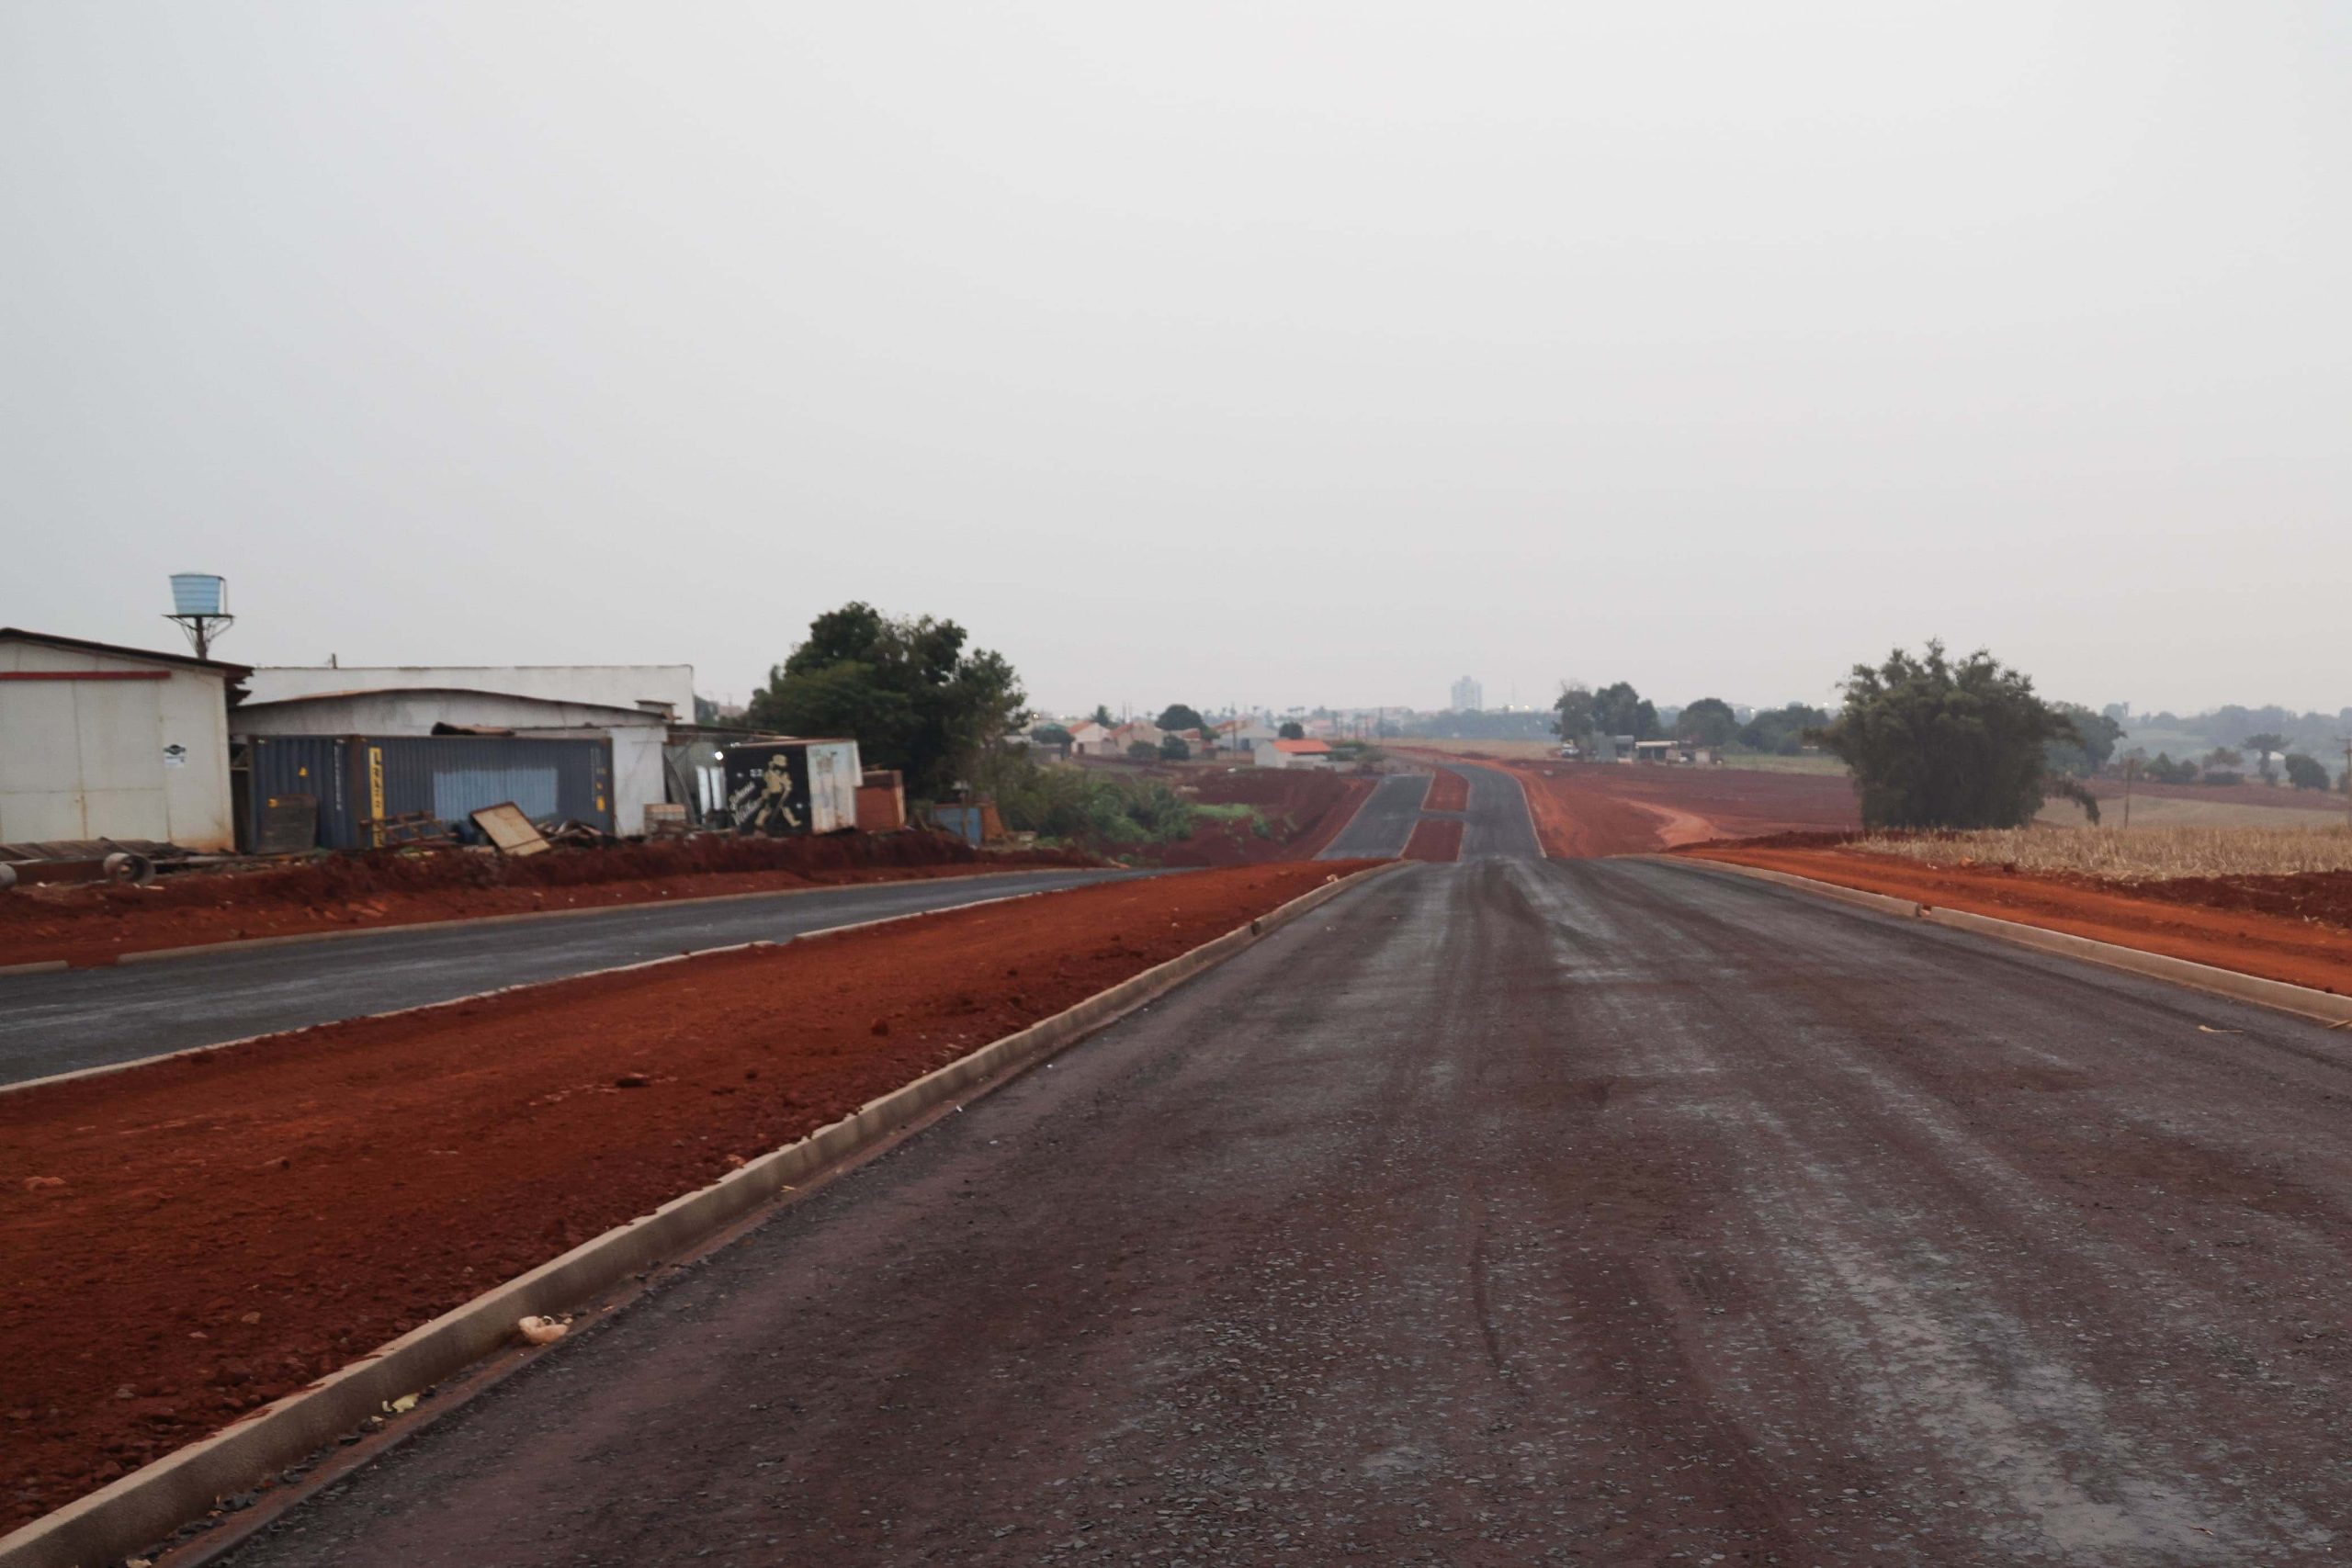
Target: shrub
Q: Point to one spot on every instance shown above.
(1935, 743)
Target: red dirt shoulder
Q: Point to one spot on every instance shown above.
(90, 924)
(2275, 947)
(188, 1240)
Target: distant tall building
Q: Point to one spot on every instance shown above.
(1468, 695)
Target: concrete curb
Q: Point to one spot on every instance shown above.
(2278, 995)
(41, 967)
(295, 938)
(105, 1067)
(149, 1504)
(1882, 903)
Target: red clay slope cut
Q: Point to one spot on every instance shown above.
(2276, 948)
(185, 1241)
(1435, 839)
(1584, 810)
(90, 923)
(1449, 790)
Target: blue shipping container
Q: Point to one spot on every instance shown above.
(357, 778)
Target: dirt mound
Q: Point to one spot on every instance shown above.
(188, 1240)
(2323, 895)
(95, 922)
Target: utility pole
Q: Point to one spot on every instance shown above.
(2130, 766)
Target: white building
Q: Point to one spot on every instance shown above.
(1243, 733)
(670, 686)
(1469, 696)
(637, 734)
(98, 741)
(1291, 754)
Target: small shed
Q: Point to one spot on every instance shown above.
(108, 742)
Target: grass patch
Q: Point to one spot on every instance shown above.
(1235, 811)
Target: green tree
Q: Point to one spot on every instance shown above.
(1051, 734)
(1177, 716)
(1621, 710)
(1291, 730)
(1709, 722)
(1174, 749)
(905, 690)
(1101, 714)
(1783, 729)
(1935, 743)
(2262, 746)
(2305, 772)
(1142, 751)
(1576, 709)
(2095, 735)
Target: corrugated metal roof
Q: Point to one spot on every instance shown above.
(643, 716)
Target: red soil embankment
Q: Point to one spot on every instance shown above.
(2276, 947)
(86, 923)
(1438, 839)
(1449, 790)
(1303, 809)
(1588, 809)
(185, 1241)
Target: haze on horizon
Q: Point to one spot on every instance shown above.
(1302, 354)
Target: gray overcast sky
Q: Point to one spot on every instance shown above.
(1269, 353)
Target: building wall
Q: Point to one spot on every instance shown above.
(96, 758)
(607, 685)
(637, 739)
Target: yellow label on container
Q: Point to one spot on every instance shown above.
(375, 793)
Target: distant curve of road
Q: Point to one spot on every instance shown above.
(64, 1021)
(1496, 825)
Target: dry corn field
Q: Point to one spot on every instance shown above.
(2137, 854)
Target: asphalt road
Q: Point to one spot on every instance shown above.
(1495, 824)
(61, 1020)
(1382, 823)
(1503, 1213)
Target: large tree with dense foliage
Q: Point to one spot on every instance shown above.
(1573, 705)
(1783, 729)
(904, 689)
(1180, 715)
(1708, 722)
(1619, 709)
(1935, 742)
(2305, 772)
